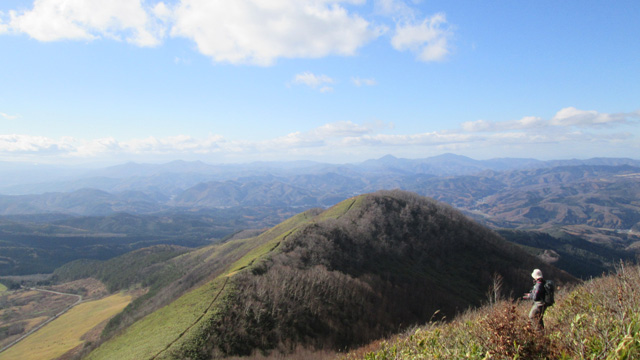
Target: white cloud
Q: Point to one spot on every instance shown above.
(69, 147)
(8, 117)
(478, 126)
(181, 61)
(162, 11)
(52, 20)
(290, 141)
(338, 139)
(259, 32)
(3, 27)
(396, 8)
(360, 82)
(314, 81)
(94, 147)
(528, 122)
(172, 144)
(72, 147)
(254, 32)
(320, 136)
(343, 129)
(26, 144)
(421, 139)
(571, 116)
(429, 39)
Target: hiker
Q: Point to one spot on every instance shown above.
(537, 294)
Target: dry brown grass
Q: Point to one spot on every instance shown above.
(89, 288)
(29, 309)
(597, 320)
(300, 353)
(65, 332)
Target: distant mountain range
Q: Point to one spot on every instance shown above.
(601, 192)
(174, 177)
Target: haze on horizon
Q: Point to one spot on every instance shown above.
(325, 80)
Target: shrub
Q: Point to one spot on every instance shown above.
(510, 335)
(599, 319)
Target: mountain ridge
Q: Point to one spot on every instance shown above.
(334, 278)
(20, 180)
(594, 194)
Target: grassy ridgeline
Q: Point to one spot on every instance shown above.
(599, 319)
(176, 328)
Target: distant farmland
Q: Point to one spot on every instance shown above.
(65, 333)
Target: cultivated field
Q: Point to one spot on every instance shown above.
(22, 310)
(66, 332)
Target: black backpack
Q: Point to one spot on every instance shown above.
(549, 296)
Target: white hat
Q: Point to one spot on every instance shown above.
(536, 274)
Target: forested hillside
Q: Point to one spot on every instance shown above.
(331, 280)
(391, 260)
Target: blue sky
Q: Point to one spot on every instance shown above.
(86, 81)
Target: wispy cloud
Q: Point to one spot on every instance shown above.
(8, 117)
(314, 81)
(180, 144)
(394, 8)
(321, 136)
(3, 27)
(528, 122)
(429, 39)
(363, 82)
(181, 61)
(427, 36)
(570, 127)
(39, 145)
(569, 117)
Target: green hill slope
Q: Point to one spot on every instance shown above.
(176, 325)
(333, 279)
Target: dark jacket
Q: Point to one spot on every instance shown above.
(538, 291)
